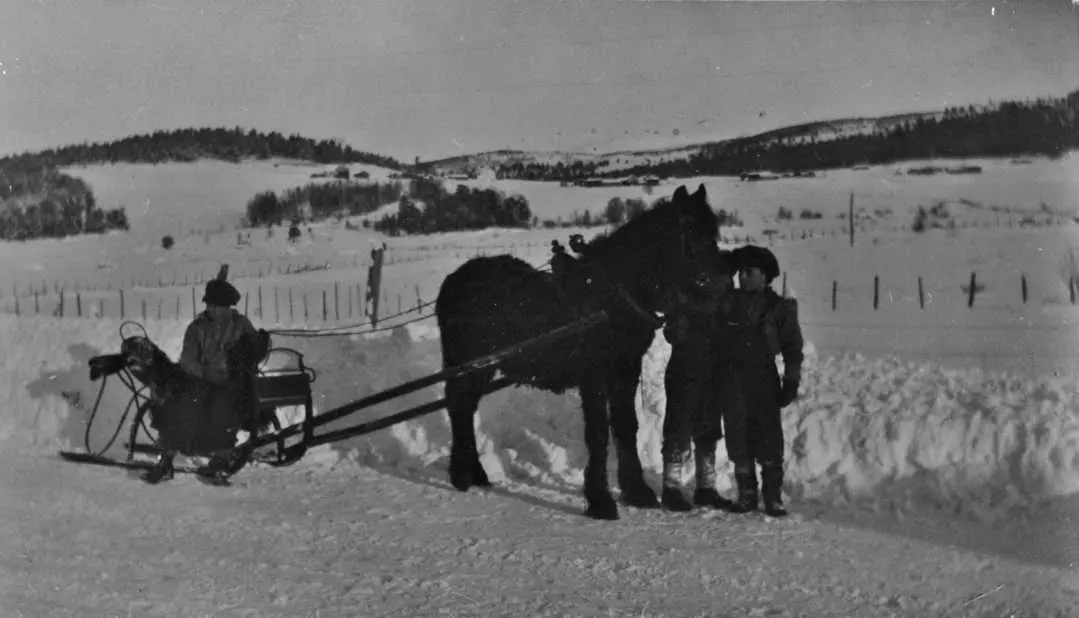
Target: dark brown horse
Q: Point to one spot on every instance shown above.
(638, 270)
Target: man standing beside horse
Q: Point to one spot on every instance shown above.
(759, 325)
(692, 418)
(722, 382)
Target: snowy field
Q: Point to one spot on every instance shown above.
(900, 435)
(925, 439)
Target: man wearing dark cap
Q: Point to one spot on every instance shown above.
(760, 325)
(213, 332)
(204, 357)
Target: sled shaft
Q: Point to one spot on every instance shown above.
(484, 362)
(405, 415)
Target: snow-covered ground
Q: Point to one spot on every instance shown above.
(898, 435)
(933, 458)
(919, 491)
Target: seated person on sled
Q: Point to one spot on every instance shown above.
(213, 411)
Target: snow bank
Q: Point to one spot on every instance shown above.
(901, 435)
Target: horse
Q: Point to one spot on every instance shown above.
(193, 417)
(631, 274)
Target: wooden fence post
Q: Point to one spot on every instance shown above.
(246, 298)
(193, 307)
(37, 304)
(921, 293)
(306, 314)
(876, 292)
(1071, 288)
(361, 299)
(970, 293)
(835, 292)
(276, 307)
(784, 290)
(419, 301)
(350, 302)
(850, 215)
(291, 313)
(325, 314)
(101, 307)
(260, 302)
(1023, 280)
(123, 311)
(78, 304)
(144, 310)
(178, 308)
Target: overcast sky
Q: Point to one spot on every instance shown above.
(434, 78)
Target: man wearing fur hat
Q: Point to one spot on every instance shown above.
(204, 357)
(760, 325)
(208, 338)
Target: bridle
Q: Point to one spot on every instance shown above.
(595, 272)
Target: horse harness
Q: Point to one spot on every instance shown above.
(562, 264)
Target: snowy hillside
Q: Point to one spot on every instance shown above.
(656, 147)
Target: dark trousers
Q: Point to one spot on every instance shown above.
(691, 416)
(751, 418)
(201, 420)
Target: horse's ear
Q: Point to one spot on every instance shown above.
(680, 193)
(702, 193)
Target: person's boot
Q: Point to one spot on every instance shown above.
(772, 488)
(215, 472)
(705, 493)
(163, 471)
(745, 477)
(673, 498)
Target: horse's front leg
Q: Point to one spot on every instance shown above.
(597, 430)
(623, 394)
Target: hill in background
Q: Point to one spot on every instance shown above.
(1038, 127)
(38, 200)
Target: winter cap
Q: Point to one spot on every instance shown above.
(753, 256)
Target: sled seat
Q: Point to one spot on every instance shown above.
(283, 380)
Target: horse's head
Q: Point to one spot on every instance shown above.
(665, 252)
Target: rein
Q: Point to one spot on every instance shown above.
(595, 272)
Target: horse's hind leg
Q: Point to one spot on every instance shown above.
(597, 431)
(623, 393)
(462, 398)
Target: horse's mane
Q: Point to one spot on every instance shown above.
(665, 216)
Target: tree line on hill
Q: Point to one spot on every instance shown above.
(38, 201)
(1045, 127)
(45, 203)
(560, 171)
(183, 145)
(319, 200)
(465, 208)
